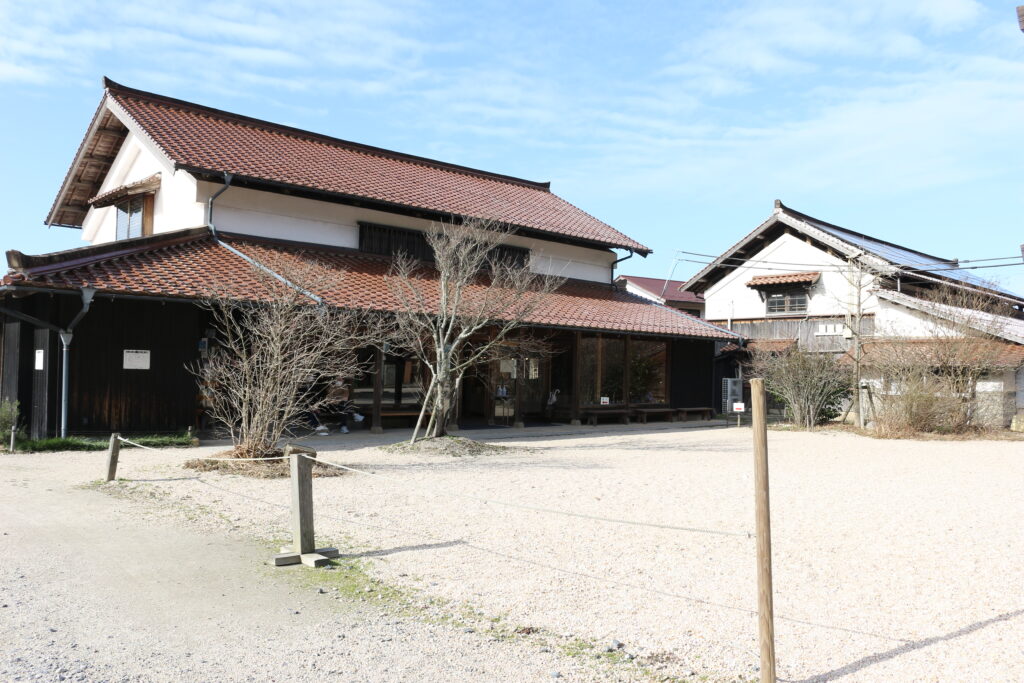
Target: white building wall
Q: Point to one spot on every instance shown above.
(731, 299)
(267, 214)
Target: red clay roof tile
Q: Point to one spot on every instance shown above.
(198, 137)
(783, 279)
(193, 268)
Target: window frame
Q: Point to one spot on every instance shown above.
(787, 297)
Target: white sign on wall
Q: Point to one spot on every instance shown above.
(40, 359)
(739, 407)
(136, 359)
(604, 400)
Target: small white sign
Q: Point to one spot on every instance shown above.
(739, 407)
(40, 358)
(136, 359)
(605, 401)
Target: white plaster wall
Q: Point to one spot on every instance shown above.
(893, 320)
(267, 214)
(730, 298)
(174, 206)
(640, 291)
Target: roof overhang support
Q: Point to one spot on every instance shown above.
(66, 335)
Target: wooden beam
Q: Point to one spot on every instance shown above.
(577, 338)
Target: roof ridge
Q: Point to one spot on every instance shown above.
(799, 215)
(119, 89)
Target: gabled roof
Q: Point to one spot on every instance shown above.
(888, 258)
(1000, 326)
(189, 264)
(670, 288)
(998, 354)
(209, 142)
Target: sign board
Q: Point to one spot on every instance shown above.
(136, 359)
(40, 359)
(604, 400)
(739, 407)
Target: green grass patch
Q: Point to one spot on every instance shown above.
(92, 443)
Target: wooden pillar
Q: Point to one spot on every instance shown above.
(765, 608)
(12, 361)
(628, 346)
(517, 404)
(576, 349)
(376, 424)
(42, 361)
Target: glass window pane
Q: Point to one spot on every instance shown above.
(135, 217)
(613, 369)
(647, 371)
(122, 220)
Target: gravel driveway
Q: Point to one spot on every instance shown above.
(894, 560)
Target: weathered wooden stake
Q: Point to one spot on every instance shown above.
(765, 611)
(302, 548)
(112, 453)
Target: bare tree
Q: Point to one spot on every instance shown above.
(858, 278)
(930, 380)
(462, 309)
(810, 384)
(273, 358)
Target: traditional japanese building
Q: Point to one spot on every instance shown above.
(177, 200)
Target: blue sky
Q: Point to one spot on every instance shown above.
(677, 122)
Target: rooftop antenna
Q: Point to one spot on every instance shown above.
(675, 262)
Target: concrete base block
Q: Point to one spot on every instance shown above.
(574, 423)
(376, 430)
(318, 558)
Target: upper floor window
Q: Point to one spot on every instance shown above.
(387, 241)
(134, 216)
(788, 302)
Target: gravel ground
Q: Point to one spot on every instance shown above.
(894, 561)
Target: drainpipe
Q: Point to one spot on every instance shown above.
(66, 335)
(228, 177)
(617, 262)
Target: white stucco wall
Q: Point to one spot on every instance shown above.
(731, 299)
(267, 214)
(893, 320)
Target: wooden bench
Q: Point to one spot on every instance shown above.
(592, 415)
(704, 412)
(643, 413)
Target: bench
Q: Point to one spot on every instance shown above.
(592, 415)
(704, 412)
(643, 413)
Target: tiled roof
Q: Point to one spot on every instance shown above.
(202, 139)
(192, 266)
(995, 353)
(1001, 326)
(783, 279)
(656, 286)
(148, 184)
(770, 345)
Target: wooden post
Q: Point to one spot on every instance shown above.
(576, 347)
(376, 424)
(765, 613)
(303, 539)
(112, 453)
(14, 433)
(517, 400)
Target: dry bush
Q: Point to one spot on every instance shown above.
(274, 357)
(810, 384)
(256, 469)
(930, 383)
(463, 310)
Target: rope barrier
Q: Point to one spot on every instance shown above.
(623, 584)
(276, 457)
(138, 445)
(535, 508)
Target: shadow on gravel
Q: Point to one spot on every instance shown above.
(906, 648)
(401, 549)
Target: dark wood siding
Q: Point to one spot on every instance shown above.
(691, 373)
(106, 397)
